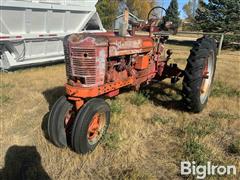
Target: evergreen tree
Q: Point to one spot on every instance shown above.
(219, 16)
(172, 13)
(107, 10)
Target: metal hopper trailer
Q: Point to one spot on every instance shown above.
(32, 31)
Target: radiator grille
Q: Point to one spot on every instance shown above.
(82, 64)
(67, 60)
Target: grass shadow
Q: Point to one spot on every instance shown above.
(156, 92)
(44, 126)
(51, 95)
(164, 94)
(23, 162)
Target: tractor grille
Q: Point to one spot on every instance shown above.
(83, 64)
(67, 61)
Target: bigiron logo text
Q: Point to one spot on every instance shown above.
(202, 171)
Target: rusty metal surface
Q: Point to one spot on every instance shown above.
(86, 59)
(86, 55)
(75, 91)
(95, 59)
(119, 46)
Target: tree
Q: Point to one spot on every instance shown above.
(190, 10)
(107, 10)
(140, 8)
(187, 8)
(219, 16)
(172, 13)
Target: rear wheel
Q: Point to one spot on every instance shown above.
(199, 74)
(59, 121)
(90, 125)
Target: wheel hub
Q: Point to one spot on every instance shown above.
(96, 127)
(207, 75)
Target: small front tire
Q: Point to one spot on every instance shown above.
(90, 125)
(58, 121)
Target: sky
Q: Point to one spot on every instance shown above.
(181, 3)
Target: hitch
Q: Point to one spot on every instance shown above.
(173, 72)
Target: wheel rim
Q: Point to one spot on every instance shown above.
(207, 76)
(96, 128)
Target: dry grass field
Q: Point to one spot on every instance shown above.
(149, 135)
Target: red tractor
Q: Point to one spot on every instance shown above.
(98, 65)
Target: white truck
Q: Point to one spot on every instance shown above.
(32, 31)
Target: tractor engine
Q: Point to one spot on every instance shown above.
(96, 59)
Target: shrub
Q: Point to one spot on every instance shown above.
(231, 41)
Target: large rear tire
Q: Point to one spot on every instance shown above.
(58, 120)
(199, 74)
(90, 125)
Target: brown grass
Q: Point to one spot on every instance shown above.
(145, 141)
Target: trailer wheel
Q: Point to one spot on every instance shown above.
(59, 120)
(199, 74)
(90, 125)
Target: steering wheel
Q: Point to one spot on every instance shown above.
(155, 13)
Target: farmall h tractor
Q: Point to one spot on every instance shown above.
(98, 65)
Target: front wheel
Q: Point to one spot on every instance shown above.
(199, 74)
(90, 125)
(59, 122)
